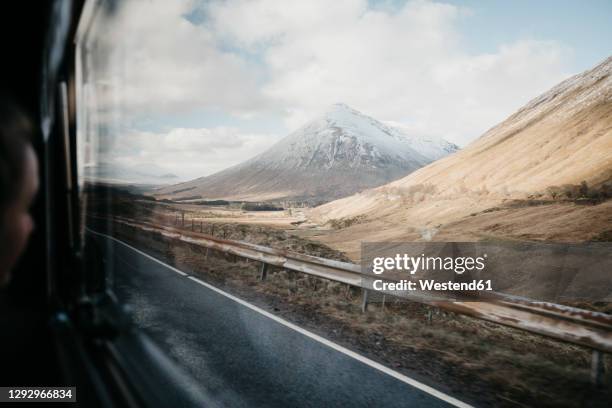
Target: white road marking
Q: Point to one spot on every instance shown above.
(401, 377)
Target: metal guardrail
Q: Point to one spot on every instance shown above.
(572, 325)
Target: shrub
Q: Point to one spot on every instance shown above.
(584, 189)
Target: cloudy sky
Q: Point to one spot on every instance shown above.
(191, 87)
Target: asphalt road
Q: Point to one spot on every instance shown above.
(246, 357)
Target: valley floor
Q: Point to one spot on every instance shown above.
(512, 220)
(524, 220)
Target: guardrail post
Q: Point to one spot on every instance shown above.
(364, 300)
(183, 218)
(201, 226)
(263, 271)
(597, 368)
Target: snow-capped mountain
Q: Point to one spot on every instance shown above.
(337, 154)
(344, 137)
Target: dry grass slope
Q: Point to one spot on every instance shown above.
(561, 138)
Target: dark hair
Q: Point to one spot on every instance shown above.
(15, 134)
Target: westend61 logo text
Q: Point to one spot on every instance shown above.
(412, 264)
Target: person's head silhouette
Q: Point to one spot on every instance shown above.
(18, 185)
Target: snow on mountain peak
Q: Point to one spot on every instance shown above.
(345, 137)
(366, 128)
(337, 154)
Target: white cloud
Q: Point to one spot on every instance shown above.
(187, 152)
(406, 64)
(157, 62)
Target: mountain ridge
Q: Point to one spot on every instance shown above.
(334, 155)
(558, 141)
